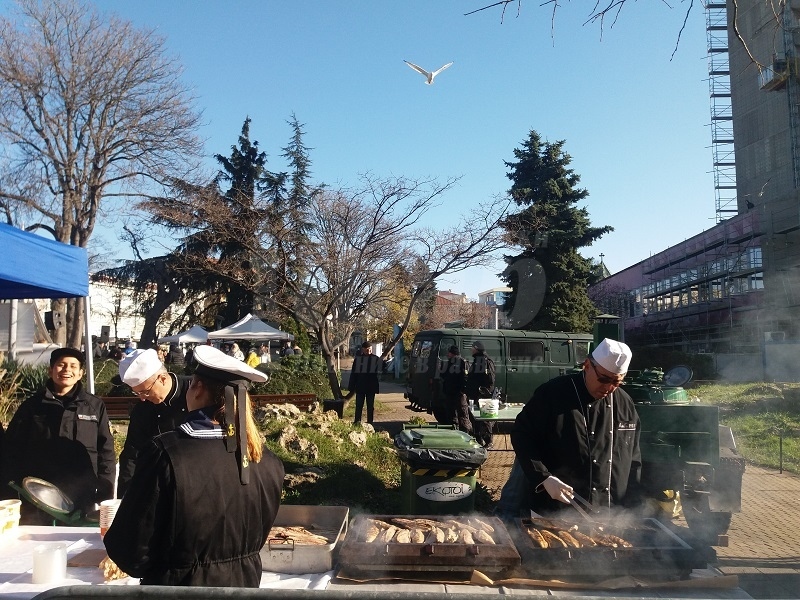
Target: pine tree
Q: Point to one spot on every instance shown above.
(550, 228)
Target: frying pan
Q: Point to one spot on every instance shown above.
(49, 498)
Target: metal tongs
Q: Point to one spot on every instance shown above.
(575, 499)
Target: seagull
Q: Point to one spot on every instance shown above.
(428, 76)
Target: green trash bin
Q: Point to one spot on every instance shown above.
(439, 470)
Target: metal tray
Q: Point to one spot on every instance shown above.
(356, 554)
(328, 521)
(656, 551)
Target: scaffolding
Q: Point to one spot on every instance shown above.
(719, 84)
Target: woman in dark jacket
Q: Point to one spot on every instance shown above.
(203, 497)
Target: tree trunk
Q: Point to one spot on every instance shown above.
(74, 319)
(333, 376)
(59, 334)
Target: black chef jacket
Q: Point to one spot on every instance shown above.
(592, 445)
(147, 421)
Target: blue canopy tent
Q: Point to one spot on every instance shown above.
(36, 267)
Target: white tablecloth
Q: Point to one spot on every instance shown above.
(16, 563)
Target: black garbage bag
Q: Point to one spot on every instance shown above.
(446, 449)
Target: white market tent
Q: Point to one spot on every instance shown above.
(193, 335)
(250, 328)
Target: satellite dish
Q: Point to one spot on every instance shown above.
(678, 376)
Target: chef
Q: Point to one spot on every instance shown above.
(579, 434)
(203, 497)
(162, 409)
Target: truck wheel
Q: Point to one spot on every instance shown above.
(705, 526)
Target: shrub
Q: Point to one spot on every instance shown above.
(18, 381)
(305, 374)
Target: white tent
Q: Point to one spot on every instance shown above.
(194, 335)
(250, 328)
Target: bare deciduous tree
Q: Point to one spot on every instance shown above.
(89, 108)
(356, 243)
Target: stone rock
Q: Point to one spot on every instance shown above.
(359, 438)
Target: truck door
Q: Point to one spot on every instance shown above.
(525, 369)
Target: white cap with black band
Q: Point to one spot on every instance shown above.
(237, 376)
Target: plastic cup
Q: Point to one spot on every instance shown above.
(108, 508)
(9, 514)
(49, 563)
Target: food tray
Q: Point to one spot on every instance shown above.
(362, 556)
(656, 551)
(327, 521)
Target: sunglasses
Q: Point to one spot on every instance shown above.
(605, 378)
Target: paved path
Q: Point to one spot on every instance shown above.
(764, 539)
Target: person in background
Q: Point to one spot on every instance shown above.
(480, 384)
(264, 353)
(163, 407)
(61, 434)
(236, 352)
(453, 385)
(579, 434)
(364, 381)
(175, 358)
(204, 497)
(128, 348)
(253, 359)
(297, 350)
(287, 349)
(115, 353)
(162, 354)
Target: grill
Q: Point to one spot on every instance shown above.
(358, 555)
(655, 552)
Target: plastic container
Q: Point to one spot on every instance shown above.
(9, 515)
(282, 557)
(490, 408)
(439, 471)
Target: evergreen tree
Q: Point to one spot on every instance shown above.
(551, 229)
(246, 174)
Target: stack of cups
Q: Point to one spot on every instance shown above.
(108, 508)
(9, 515)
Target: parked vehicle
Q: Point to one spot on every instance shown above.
(523, 360)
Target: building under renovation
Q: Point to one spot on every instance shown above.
(736, 286)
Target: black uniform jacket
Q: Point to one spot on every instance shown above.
(187, 520)
(147, 421)
(454, 373)
(64, 440)
(364, 376)
(480, 377)
(564, 432)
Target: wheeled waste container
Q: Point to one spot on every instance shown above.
(439, 470)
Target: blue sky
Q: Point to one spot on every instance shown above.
(635, 121)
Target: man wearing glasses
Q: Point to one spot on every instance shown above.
(162, 409)
(579, 436)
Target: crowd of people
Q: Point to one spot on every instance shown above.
(578, 436)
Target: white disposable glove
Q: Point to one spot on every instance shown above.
(557, 489)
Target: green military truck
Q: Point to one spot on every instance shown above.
(523, 360)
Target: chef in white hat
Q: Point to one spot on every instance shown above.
(579, 436)
(162, 409)
(203, 497)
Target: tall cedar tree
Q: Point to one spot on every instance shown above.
(245, 172)
(551, 229)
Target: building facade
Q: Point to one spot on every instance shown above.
(736, 286)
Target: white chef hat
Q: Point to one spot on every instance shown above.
(139, 366)
(613, 356)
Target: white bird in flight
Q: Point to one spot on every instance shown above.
(428, 75)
